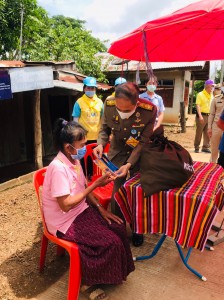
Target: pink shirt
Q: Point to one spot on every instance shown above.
(62, 178)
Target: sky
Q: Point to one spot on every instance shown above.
(111, 19)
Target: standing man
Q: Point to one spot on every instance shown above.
(151, 96)
(203, 103)
(130, 120)
(88, 110)
(214, 132)
(118, 81)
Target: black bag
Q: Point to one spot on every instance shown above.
(164, 165)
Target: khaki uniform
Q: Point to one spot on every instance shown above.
(203, 100)
(128, 136)
(216, 109)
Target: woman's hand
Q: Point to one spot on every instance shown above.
(108, 216)
(105, 179)
(123, 171)
(209, 133)
(98, 151)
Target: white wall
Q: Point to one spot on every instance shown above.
(171, 114)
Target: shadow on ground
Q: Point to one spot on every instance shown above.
(22, 269)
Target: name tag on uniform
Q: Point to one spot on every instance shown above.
(132, 142)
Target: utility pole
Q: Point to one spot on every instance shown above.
(21, 31)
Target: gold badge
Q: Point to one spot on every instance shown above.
(132, 142)
(110, 102)
(137, 120)
(138, 125)
(146, 106)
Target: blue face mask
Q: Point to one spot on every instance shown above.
(90, 94)
(151, 88)
(80, 153)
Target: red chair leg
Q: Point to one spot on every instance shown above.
(60, 251)
(74, 276)
(43, 251)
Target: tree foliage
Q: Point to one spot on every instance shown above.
(10, 25)
(44, 38)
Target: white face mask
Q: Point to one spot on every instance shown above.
(127, 114)
(151, 88)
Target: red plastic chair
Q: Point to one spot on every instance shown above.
(103, 194)
(62, 245)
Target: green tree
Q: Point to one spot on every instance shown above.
(43, 38)
(11, 13)
(67, 39)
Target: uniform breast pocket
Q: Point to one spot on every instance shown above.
(116, 130)
(220, 105)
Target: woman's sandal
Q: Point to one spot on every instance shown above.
(93, 293)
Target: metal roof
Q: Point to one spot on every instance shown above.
(199, 69)
(68, 85)
(112, 63)
(11, 64)
(49, 62)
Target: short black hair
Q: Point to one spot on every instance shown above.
(67, 132)
(128, 91)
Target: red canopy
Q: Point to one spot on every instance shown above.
(193, 33)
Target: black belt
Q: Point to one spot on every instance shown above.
(204, 114)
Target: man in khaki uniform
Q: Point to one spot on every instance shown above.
(214, 132)
(130, 120)
(203, 102)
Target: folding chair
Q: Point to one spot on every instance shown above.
(62, 245)
(103, 194)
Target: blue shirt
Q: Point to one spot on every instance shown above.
(156, 99)
(221, 145)
(222, 116)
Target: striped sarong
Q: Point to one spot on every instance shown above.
(186, 214)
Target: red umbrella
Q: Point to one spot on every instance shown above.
(192, 33)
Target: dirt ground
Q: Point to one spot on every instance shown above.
(20, 238)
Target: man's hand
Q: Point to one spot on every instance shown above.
(209, 133)
(201, 119)
(98, 151)
(123, 171)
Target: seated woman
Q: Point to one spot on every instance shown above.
(72, 213)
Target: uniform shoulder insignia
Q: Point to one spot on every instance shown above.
(146, 106)
(111, 102)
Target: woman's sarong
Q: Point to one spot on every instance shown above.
(104, 248)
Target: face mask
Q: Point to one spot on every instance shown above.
(80, 153)
(90, 94)
(151, 88)
(126, 115)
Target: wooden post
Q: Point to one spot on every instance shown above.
(37, 131)
(182, 106)
(182, 117)
(192, 97)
